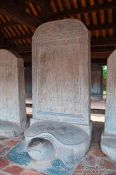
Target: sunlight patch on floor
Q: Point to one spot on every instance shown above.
(98, 117)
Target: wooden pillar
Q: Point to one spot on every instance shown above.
(96, 82)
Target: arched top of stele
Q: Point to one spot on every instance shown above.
(60, 29)
(8, 54)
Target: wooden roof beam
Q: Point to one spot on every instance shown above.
(114, 20)
(46, 12)
(87, 9)
(101, 26)
(100, 61)
(98, 45)
(27, 49)
(100, 55)
(18, 13)
(8, 24)
(94, 55)
(5, 44)
(109, 41)
(91, 27)
(103, 49)
(21, 37)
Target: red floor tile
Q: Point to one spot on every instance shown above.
(3, 163)
(80, 167)
(107, 164)
(29, 172)
(1, 148)
(11, 143)
(14, 170)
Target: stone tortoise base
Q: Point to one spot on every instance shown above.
(94, 163)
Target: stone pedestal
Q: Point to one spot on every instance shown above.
(61, 93)
(12, 96)
(108, 139)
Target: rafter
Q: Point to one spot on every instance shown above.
(18, 13)
(109, 41)
(101, 26)
(98, 45)
(100, 55)
(15, 11)
(87, 9)
(114, 20)
(103, 49)
(21, 37)
(6, 44)
(94, 56)
(91, 28)
(45, 9)
(8, 24)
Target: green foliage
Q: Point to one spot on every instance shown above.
(104, 72)
(104, 68)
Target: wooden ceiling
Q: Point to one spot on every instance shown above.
(20, 18)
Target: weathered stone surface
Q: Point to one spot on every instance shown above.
(94, 163)
(108, 140)
(66, 142)
(12, 96)
(110, 116)
(61, 94)
(61, 66)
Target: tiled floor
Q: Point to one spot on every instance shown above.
(94, 163)
(97, 104)
(99, 107)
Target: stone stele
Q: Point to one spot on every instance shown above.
(60, 93)
(108, 139)
(12, 96)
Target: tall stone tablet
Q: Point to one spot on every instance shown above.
(61, 66)
(108, 141)
(12, 94)
(61, 95)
